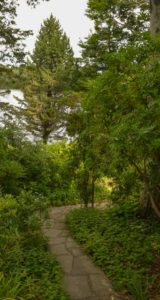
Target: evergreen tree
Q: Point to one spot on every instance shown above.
(46, 90)
(53, 51)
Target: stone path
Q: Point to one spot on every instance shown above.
(82, 279)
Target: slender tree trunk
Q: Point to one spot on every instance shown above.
(150, 198)
(45, 138)
(154, 196)
(155, 17)
(45, 132)
(86, 195)
(145, 202)
(86, 191)
(92, 191)
(155, 204)
(150, 201)
(83, 189)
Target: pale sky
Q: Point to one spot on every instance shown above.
(70, 13)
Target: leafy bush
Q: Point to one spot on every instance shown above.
(27, 270)
(125, 246)
(64, 197)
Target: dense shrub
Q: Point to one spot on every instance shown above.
(27, 270)
(125, 246)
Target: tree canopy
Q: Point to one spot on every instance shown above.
(49, 79)
(115, 24)
(11, 37)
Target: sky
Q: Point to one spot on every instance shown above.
(10, 97)
(70, 13)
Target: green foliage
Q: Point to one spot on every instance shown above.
(127, 118)
(47, 84)
(28, 271)
(31, 207)
(23, 165)
(53, 51)
(11, 37)
(42, 170)
(11, 171)
(115, 128)
(62, 182)
(88, 154)
(103, 189)
(115, 24)
(125, 246)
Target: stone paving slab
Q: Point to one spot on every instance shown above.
(66, 262)
(78, 286)
(83, 265)
(82, 279)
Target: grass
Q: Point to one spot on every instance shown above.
(126, 247)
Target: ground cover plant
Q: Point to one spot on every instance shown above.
(124, 245)
(27, 270)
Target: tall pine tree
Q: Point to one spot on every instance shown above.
(46, 90)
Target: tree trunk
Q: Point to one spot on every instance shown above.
(92, 191)
(145, 202)
(150, 198)
(155, 200)
(150, 201)
(45, 137)
(83, 189)
(45, 132)
(155, 17)
(86, 200)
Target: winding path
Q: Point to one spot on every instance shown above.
(82, 279)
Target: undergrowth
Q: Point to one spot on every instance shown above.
(27, 270)
(125, 246)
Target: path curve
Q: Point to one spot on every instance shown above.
(82, 279)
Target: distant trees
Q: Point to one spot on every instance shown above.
(53, 51)
(115, 127)
(48, 82)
